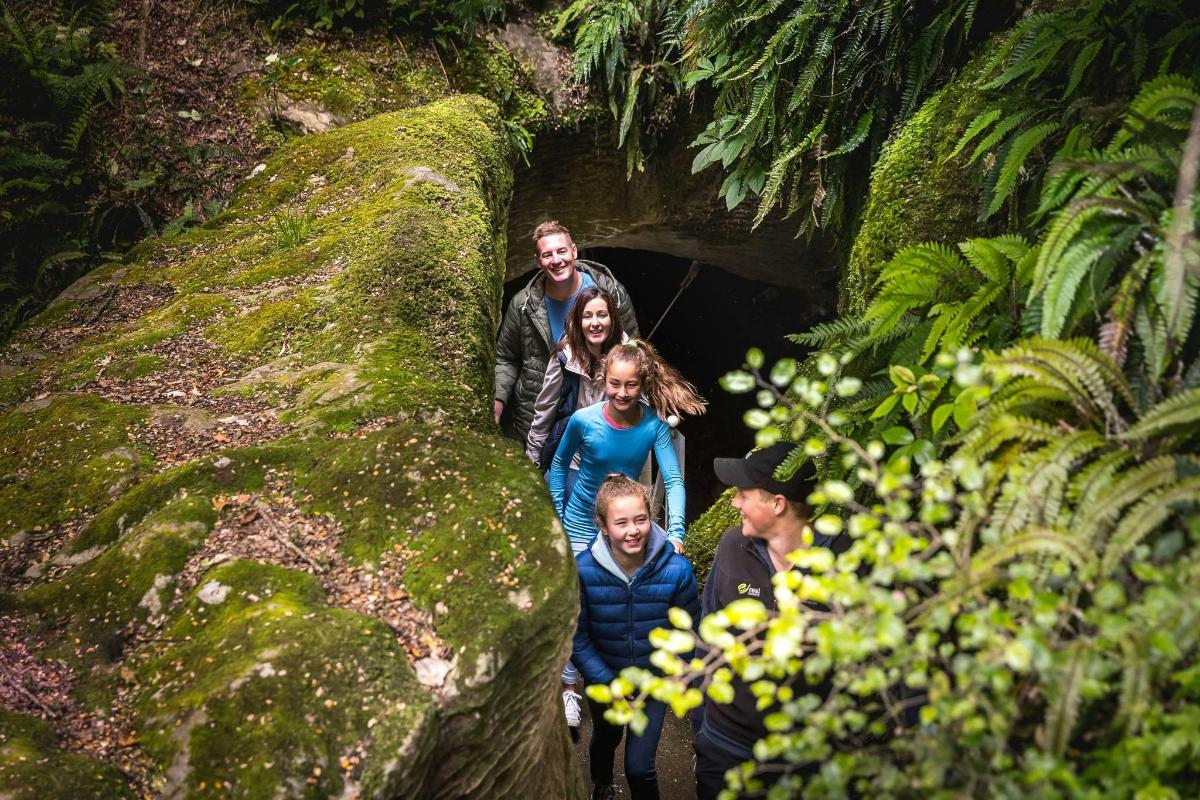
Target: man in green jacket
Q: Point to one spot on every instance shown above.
(535, 318)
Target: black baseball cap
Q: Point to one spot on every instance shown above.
(757, 470)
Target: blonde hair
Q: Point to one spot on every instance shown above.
(616, 485)
(549, 228)
(666, 390)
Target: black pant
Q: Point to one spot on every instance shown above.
(712, 762)
(639, 750)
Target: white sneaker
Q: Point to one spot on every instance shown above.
(571, 707)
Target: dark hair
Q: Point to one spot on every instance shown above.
(667, 390)
(616, 485)
(549, 228)
(573, 335)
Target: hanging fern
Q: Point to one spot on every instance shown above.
(812, 84)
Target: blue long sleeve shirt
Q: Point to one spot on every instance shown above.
(605, 448)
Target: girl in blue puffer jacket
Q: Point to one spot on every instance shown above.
(628, 579)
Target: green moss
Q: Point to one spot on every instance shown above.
(64, 456)
(133, 367)
(918, 194)
(53, 313)
(265, 691)
(462, 507)
(130, 582)
(90, 357)
(703, 535)
(244, 472)
(394, 304)
(487, 68)
(32, 767)
(268, 325)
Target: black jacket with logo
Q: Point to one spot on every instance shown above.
(741, 568)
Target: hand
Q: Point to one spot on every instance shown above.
(678, 546)
(499, 410)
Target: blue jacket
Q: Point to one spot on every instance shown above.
(617, 613)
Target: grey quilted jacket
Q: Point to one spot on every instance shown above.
(523, 345)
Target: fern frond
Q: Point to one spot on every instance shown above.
(978, 125)
(825, 334)
(1013, 160)
(1173, 416)
(1035, 541)
(1063, 282)
(1062, 711)
(980, 442)
(1125, 488)
(1146, 517)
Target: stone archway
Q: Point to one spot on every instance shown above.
(579, 178)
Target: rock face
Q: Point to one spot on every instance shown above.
(579, 178)
(251, 486)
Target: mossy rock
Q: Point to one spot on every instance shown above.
(33, 767)
(351, 291)
(918, 193)
(63, 456)
(264, 689)
(705, 533)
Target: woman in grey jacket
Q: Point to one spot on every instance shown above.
(593, 328)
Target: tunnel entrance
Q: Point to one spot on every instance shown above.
(704, 335)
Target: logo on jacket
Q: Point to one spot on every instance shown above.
(747, 589)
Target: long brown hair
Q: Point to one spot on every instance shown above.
(573, 335)
(667, 390)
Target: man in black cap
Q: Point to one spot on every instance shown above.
(774, 515)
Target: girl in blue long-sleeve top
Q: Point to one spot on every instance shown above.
(618, 435)
(629, 579)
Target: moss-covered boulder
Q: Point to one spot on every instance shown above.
(251, 490)
(34, 767)
(918, 192)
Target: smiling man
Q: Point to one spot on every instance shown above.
(774, 516)
(536, 317)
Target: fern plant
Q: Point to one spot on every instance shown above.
(806, 91)
(1053, 79)
(625, 48)
(58, 78)
(1120, 246)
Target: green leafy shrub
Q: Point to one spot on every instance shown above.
(59, 75)
(1016, 613)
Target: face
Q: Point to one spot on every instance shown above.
(595, 321)
(757, 509)
(556, 256)
(623, 384)
(627, 524)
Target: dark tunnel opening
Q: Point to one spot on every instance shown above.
(704, 335)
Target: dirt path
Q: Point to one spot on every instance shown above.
(676, 781)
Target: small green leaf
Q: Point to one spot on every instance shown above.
(756, 418)
(885, 407)
(940, 415)
(783, 371)
(897, 434)
(901, 375)
(737, 382)
(754, 358)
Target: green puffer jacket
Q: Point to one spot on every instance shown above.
(523, 345)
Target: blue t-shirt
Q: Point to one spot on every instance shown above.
(557, 310)
(604, 448)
